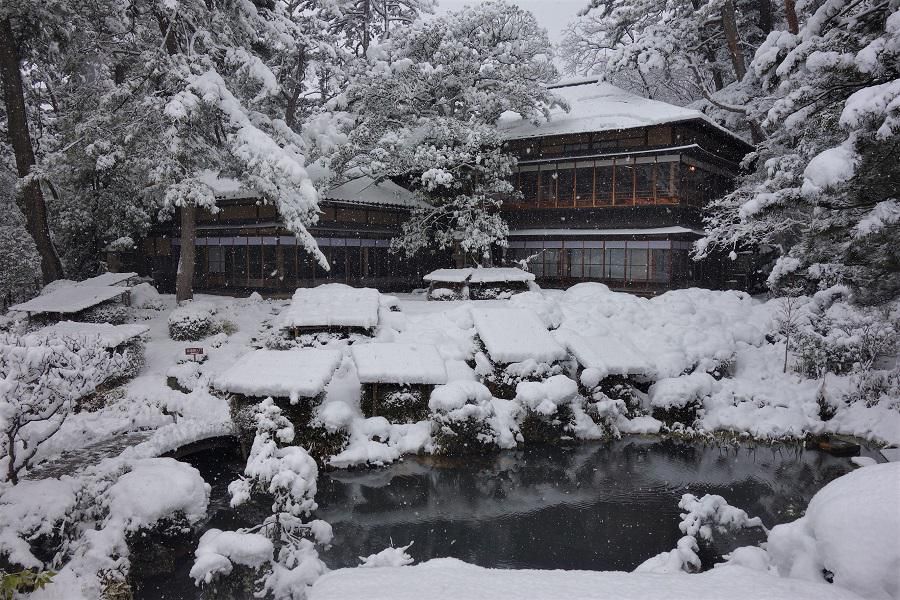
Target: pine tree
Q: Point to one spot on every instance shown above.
(425, 109)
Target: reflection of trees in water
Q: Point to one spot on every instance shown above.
(596, 506)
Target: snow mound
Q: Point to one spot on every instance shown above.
(155, 489)
(219, 550)
(852, 529)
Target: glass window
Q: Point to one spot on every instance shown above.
(615, 263)
(338, 263)
(643, 181)
(216, 259)
(624, 184)
(603, 187)
(584, 186)
(548, 185)
(665, 180)
(354, 262)
(270, 264)
(576, 262)
(593, 263)
(254, 261)
(551, 262)
(565, 183)
(659, 265)
(637, 264)
(289, 263)
(240, 265)
(528, 185)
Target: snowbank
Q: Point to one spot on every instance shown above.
(609, 354)
(852, 529)
(399, 363)
(294, 374)
(451, 579)
(515, 335)
(332, 305)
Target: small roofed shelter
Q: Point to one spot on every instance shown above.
(517, 346)
(295, 379)
(72, 300)
(397, 379)
(608, 354)
(331, 308)
(487, 283)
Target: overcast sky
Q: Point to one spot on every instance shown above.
(553, 15)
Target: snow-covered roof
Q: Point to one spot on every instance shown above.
(515, 334)
(482, 275)
(108, 279)
(108, 335)
(332, 305)
(600, 106)
(609, 353)
(399, 363)
(365, 190)
(297, 373)
(70, 299)
(606, 232)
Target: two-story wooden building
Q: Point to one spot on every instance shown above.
(245, 246)
(614, 191)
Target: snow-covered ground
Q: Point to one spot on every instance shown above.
(673, 342)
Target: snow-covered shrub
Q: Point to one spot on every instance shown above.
(145, 296)
(548, 415)
(39, 383)
(193, 320)
(679, 399)
(445, 294)
(395, 402)
(290, 562)
(461, 415)
(114, 313)
(497, 291)
(502, 380)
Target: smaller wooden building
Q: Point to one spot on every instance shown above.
(332, 308)
(487, 283)
(397, 379)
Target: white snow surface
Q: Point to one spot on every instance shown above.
(218, 551)
(515, 334)
(600, 106)
(365, 190)
(70, 299)
(332, 305)
(108, 336)
(107, 279)
(399, 363)
(157, 488)
(851, 528)
(479, 275)
(610, 354)
(449, 275)
(295, 373)
(452, 579)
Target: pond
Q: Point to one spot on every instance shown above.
(600, 506)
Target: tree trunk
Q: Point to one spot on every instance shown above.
(729, 25)
(184, 282)
(32, 204)
(790, 13)
(765, 16)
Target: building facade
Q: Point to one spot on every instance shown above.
(245, 246)
(614, 191)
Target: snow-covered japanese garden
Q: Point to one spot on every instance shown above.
(387, 299)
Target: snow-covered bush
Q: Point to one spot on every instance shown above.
(502, 380)
(548, 416)
(193, 320)
(145, 296)
(679, 399)
(40, 380)
(389, 557)
(114, 313)
(461, 414)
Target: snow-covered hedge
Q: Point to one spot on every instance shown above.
(193, 320)
(461, 416)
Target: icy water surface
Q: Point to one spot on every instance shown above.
(592, 506)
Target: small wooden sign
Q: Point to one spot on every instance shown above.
(193, 351)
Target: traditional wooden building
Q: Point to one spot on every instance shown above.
(614, 191)
(245, 246)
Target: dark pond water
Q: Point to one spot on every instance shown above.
(592, 506)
